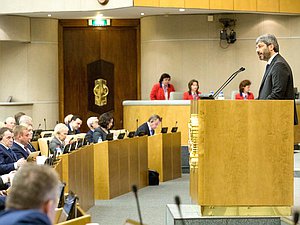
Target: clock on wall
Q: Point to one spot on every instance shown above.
(103, 2)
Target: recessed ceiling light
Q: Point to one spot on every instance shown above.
(142, 14)
(49, 15)
(181, 10)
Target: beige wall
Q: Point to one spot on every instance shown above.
(29, 73)
(188, 46)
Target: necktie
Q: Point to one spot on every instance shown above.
(12, 154)
(27, 149)
(266, 72)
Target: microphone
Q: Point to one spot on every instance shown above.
(232, 76)
(39, 126)
(296, 217)
(134, 190)
(56, 122)
(176, 124)
(177, 201)
(45, 123)
(137, 123)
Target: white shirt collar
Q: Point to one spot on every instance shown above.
(4, 146)
(270, 59)
(18, 143)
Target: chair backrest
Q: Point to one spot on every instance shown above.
(176, 95)
(47, 133)
(43, 145)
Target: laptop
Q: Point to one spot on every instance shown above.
(121, 135)
(174, 129)
(131, 134)
(109, 137)
(164, 130)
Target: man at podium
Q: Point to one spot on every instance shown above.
(277, 82)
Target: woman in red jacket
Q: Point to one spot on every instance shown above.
(161, 90)
(244, 93)
(193, 93)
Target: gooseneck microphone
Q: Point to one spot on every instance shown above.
(177, 201)
(134, 189)
(39, 126)
(45, 123)
(296, 217)
(232, 76)
(137, 123)
(176, 124)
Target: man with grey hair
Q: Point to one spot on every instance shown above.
(92, 123)
(26, 119)
(58, 141)
(33, 196)
(149, 127)
(10, 122)
(277, 82)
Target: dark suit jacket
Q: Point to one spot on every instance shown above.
(31, 148)
(72, 132)
(55, 143)
(89, 136)
(23, 217)
(277, 82)
(7, 160)
(99, 133)
(143, 128)
(19, 151)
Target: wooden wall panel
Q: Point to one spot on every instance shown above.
(242, 5)
(221, 4)
(268, 5)
(146, 3)
(289, 6)
(202, 4)
(172, 3)
(83, 45)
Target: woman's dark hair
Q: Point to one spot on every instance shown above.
(243, 84)
(163, 76)
(190, 85)
(104, 120)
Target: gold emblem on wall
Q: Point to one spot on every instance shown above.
(100, 91)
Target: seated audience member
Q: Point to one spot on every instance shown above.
(20, 145)
(161, 90)
(33, 197)
(8, 159)
(106, 122)
(30, 131)
(193, 93)
(26, 119)
(244, 93)
(149, 127)
(5, 180)
(10, 122)
(17, 117)
(68, 118)
(92, 123)
(74, 125)
(58, 141)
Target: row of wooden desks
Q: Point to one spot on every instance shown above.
(109, 169)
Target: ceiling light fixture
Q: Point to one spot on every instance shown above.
(142, 14)
(181, 10)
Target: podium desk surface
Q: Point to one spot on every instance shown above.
(156, 102)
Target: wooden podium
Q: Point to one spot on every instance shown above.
(164, 155)
(242, 157)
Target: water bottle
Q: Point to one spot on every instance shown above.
(99, 139)
(221, 96)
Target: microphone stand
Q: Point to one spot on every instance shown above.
(232, 76)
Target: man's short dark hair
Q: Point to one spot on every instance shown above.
(75, 117)
(154, 118)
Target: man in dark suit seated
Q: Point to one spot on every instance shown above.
(58, 141)
(74, 125)
(20, 145)
(30, 131)
(8, 159)
(92, 123)
(149, 127)
(33, 197)
(277, 82)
